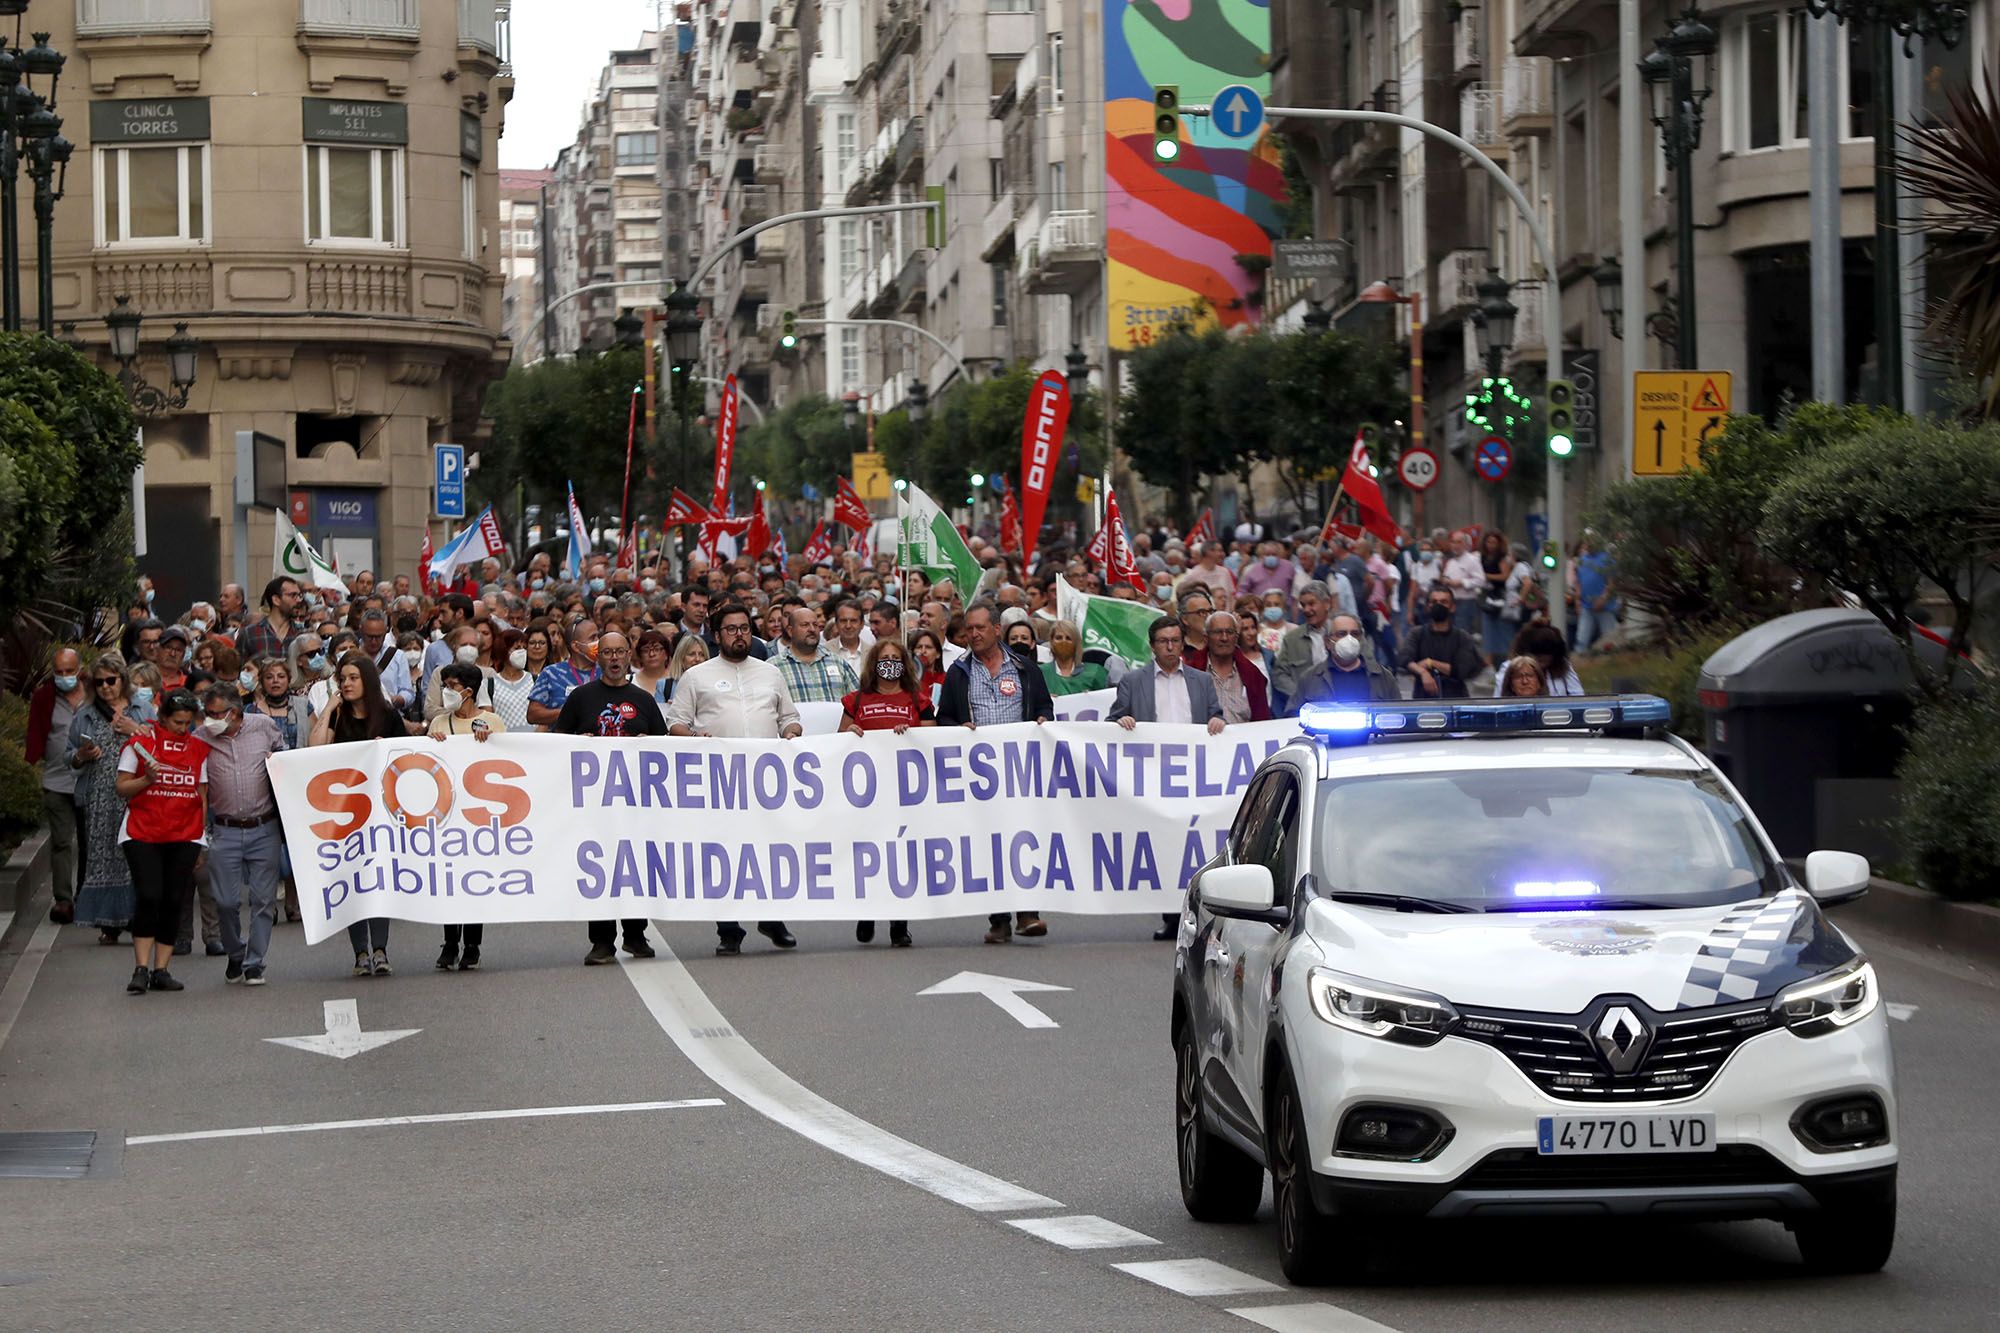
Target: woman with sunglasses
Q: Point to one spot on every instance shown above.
(96, 736)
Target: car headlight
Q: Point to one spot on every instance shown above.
(1829, 1003)
(1372, 1009)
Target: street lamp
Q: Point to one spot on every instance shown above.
(1942, 21)
(30, 129)
(1677, 70)
(1610, 279)
(920, 402)
(1494, 326)
(850, 409)
(626, 329)
(1078, 366)
(121, 324)
(683, 347)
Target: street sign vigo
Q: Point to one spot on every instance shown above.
(450, 480)
(1237, 112)
(1673, 414)
(1418, 468)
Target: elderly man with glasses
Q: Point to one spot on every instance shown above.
(243, 838)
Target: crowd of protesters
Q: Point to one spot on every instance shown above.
(153, 746)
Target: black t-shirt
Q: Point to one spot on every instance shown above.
(597, 709)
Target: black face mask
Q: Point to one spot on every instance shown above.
(1440, 613)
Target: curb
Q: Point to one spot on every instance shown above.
(1922, 916)
(27, 885)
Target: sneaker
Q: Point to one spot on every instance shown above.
(637, 946)
(382, 968)
(215, 949)
(447, 958)
(470, 963)
(1000, 933)
(141, 982)
(599, 955)
(164, 980)
(253, 976)
(234, 973)
(364, 966)
(1033, 926)
(899, 937)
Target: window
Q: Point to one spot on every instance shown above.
(1058, 186)
(1010, 6)
(642, 273)
(468, 208)
(638, 231)
(996, 175)
(850, 249)
(1765, 78)
(1056, 67)
(1001, 272)
(627, 100)
(354, 196)
(637, 150)
(153, 194)
(850, 358)
(846, 141)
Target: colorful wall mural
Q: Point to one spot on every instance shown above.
(1174, 230)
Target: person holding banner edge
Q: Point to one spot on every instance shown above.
(887, 700)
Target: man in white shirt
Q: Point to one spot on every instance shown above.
(1466, 577)
(734, 694)
(850, 638)
(1209, 573)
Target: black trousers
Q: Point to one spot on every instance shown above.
(473, 933)
(733, 930)
(1000, 918)
(606, 932)
(162, 883)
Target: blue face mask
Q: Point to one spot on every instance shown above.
(64, 684)
(538, 584)
(1274, 614)
(1270, 562)
(317, 662)
(597, 585)
(198, 625)
(142, 696)
(1163, 592)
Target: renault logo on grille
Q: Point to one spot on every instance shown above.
(1622, 1038)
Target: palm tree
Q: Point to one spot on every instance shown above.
(1955, 165)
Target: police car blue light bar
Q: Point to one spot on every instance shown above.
(1350, 723)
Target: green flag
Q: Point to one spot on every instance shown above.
(294, 557)
(1111, 623)
(930, 542)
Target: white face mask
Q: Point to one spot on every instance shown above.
(649, 585)
(246, 681)
(518, 659)
(467, 654)
(412, 656)
(215, 726)
(452, 699)
(1347, 647)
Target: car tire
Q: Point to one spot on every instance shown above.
(1848, 1239)
(1309, 1248)
(1219, 1182)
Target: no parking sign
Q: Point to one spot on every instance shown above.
(1493, 458)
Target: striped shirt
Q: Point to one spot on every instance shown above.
(995, 699)
(826, 679)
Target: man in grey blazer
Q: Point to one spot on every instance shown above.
(1166, 692)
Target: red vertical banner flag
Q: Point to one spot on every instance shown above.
(1358, 484)
(424, 560)
(819, 547)
(848, 509)
(1010, 523)
(1119, 567)
(1041, 444)
(1204, 528)
(725, 445)
(758, 539)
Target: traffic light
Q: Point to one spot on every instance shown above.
(1370, 433)
(1497, 407)
(1166, 122)
(788, 336)
(934, 220)
(1550, 555)
(1562, 418)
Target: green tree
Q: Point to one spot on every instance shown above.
(1686, 546)
(1956, 166)
(1903, 504)
(804, 443)
(565, 421)
(976, 428)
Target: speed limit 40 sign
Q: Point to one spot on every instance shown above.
(1418, 469)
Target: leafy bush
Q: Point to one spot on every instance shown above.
(1669, 667)
(1951, 795)
(20, 781)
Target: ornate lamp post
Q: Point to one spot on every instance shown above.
(683, 348)
(1677, 71)
(30, 129)
(121, 325)
(1494, 321)
(1610, 279)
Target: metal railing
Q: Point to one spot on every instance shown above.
(1458, 281)
(387, 18)
(1525, 87)
(105, 18)
(1479, 115)
(1066, 231)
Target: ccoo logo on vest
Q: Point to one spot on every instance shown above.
(422, 827)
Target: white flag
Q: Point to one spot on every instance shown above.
(294, 557)
(931, 542)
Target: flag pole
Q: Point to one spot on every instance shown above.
(625, 504)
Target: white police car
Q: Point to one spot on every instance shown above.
(1523, 958)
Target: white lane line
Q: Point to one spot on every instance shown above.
(685, 1013)
(1196, 1277)
(1902, 1012)
(448, 1117)
(1314, 1318)
(1081, 1231)
(15, 994)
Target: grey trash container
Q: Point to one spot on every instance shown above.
(1806, 714)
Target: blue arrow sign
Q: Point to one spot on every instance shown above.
(450, 480)
(1237, 112)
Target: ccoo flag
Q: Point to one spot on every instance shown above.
(1041, 439)
(294, 557)
(930, 541)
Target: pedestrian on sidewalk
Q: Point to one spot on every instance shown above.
(163, 780)
(244, 837)
(54, 705)
(97, 737)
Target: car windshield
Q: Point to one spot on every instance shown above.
(1539, 839)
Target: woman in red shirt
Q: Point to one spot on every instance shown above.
(163, 779)
(929, 665)
(887, 701)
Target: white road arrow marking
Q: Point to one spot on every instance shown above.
(1902, 1013)
(1003, 991)
(344, 1038)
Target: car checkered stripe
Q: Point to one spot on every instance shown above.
(1738, 955)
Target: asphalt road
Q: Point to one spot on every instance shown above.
(846, 1179)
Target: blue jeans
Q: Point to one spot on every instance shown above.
(1593, 625)
(243, 863)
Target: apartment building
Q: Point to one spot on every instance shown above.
(312, 186)
(522, 194)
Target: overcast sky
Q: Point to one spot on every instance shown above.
(559, 48)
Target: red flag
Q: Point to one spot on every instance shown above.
(489, 532)
(628, 552)
(714, 529)
(1010, 523)
(683, 508)
(1041, 440)
(1119, 566)
(1333, 527)
(725, 443)
(848, 510)
(1359, 486)
(424, 560)
(1204, 528)
(819, 548)
(863, 545)
(758, 539)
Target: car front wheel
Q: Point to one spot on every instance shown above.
(1219, 1183)
(1848, 1238)
(1310, 1250)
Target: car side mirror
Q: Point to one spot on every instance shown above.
(1836, 877)
(1245, 893)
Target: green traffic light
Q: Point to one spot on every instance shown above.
(1166, 150)
(1561, 445)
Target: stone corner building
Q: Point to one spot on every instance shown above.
(312, 185)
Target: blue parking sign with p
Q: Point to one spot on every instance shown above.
(1237, 112)
(450, 481)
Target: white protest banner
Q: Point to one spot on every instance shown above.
(939, 822)
(823, 719)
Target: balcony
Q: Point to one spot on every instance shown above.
(910, 150)
(768, 162)
(1467, 37)
(479, 25)
(359, 18)
(1068, 254)
(140, 18)
(1526, 104)
(1457, 284)
(912, 283)
(754, 204)
(1354, 145)
(1479, 117)
(1530, 323)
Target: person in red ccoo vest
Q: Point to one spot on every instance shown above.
(163, 780)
